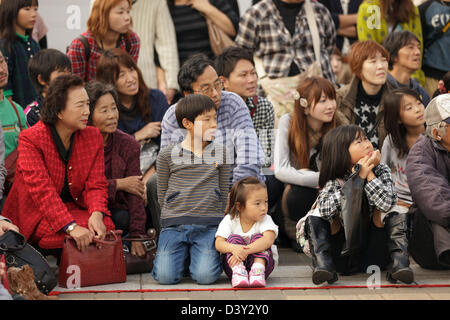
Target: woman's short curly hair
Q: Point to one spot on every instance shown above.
(56, 98)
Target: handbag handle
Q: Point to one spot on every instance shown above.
(312, 23)
(115, 234)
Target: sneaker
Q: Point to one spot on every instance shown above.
(257, 278)
(240, 277)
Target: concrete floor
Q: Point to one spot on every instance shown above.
(293, 272)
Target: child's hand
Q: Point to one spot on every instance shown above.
(234, 261)
(240, 252)
(375, 158)
(366, 167)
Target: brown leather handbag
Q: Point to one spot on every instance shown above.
(218, 39)
(143, 264)
(101, 263)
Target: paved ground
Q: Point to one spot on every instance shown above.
(293, 271)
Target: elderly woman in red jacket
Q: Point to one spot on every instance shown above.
(60, 186)
(122, 166)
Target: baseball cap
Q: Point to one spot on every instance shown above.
(438, 110)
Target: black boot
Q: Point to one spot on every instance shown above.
(319, 233)
(396, 226)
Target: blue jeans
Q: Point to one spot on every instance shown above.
(178, 243)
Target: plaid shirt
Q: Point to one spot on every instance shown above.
(77, 55)
(234, 129)
(263, 118)
(262, 30)
(380, 193)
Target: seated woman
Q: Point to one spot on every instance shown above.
(298, 145)
(122, 170)
(60, 186)
(140, 110)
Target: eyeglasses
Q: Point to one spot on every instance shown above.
(218, 86)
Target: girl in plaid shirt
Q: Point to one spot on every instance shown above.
(346, 149)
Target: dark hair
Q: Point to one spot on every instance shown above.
(395, 41)
(336, 159)
(446, 80)
(239, 192)
(191, 69)
(56, 98)
(108, 70)
(96, 90)
(392, 103)
(9, 9)
(226, 62)
(191, 106)
(43, 63)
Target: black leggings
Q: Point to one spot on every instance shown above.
(299, 201)
(374, 252)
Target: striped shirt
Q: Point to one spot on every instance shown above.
(262, 30)
(192, 190)
(192, 31)
(153, 23)
(234, 129)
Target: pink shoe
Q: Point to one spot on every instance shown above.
(257, 278)
(240, 277)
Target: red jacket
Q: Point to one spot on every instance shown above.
(33, 203)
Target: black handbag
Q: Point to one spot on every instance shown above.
(19, 253)
(355, 214)
(143, 264)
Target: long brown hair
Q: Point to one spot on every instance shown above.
(397, 11)
(299, 132)
(108, 70)
(239, 192)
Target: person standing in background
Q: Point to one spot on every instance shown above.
(153, 23)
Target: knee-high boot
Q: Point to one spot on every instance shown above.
(319, 233)
(396, 226)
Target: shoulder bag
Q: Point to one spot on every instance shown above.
(19, 253)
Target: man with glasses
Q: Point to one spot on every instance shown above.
(234, 125)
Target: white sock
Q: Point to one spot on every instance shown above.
(258, 265)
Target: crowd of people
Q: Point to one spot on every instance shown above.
(140, 124)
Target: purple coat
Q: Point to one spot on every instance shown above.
(428, 173)
(122, 160)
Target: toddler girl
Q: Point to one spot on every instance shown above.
(246, 235)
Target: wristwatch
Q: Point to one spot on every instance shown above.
(71, 227)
